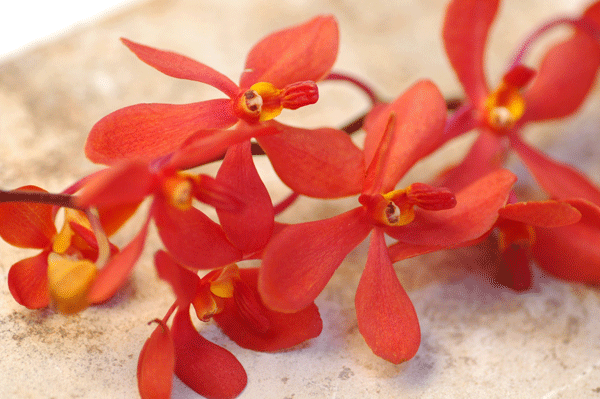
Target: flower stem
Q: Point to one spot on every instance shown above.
(60, 200)
(361, 85)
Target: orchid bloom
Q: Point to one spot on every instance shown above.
(300, 260)
(63, 273)
(228, 295)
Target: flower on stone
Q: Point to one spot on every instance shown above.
(300, 260)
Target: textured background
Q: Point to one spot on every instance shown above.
(477, 339)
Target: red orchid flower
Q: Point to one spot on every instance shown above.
(562, 82)
(300, 260)
(64, 271)
(228, 295)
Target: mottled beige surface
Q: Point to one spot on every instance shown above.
(478, 341)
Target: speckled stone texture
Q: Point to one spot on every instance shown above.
(478, 340)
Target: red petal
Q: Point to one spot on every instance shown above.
(182, 67)
(475, 213)
(249, 229)
(419, 116)
(208, 369)
(320, 163)
(27, 224)
(28, 281)
(541, 213)
(192, 238)
(156, 364)
(564, 79)
(386, 316)
(302, 52)
(116, 272)
(126, 182)
(183, 282)
(285, 329)
(148, 131)
(465, 32)
(557, 179)
(572, 252)
(300, 260)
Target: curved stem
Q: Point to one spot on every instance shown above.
(60, 200)
(285, 203)
(361, 85)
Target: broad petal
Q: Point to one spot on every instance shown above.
(572, 252)
(182, 67)
(148, 131)
(299, 53)
(28, 281)
(116, 272)
(208, 369)
(386, 316)
(557, 179)
(285, 329)
(156, 364)
(183, 282)
(465, 32)
(126, 182)
(566, 75)
(27, 224)
(300, 260)
(475, 213)
(192, 238)
(394, 145)
(319, 163)
(541, 213)
(250, 228)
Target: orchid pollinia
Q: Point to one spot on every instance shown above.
(149, 149)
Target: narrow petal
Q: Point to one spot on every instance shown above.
(285, 329)
(565, 76)
(386, 316)
(116, 272)
(208, 369)
(27, 224)
(541, 213)
(192, 238)
(126, 182)
(28, 281)
(302, 52)
(572, 252)
(465, 32)
(156, 364)
(557, 179)
(183, 281)
(300, 260)
(394, 145)
(148, 131)
(475, 213)
(182, 67)
(250, 228)
(319, 163)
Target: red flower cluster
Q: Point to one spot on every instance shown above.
(149, 148)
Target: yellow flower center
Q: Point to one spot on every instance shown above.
(178, 189)
(68, 281)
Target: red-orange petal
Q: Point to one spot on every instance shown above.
(300, 260)
(208, 369)
(28, 281)
(392, 146)
(156, 364)
(249, 228)
(149, 131)
(557, 179)
(298, 53)
(386, 316)
(319, 163)
(465, 32)
(541, 213)
(27, 224)
(182, 67)
(192, 238)
(475, 213)
(183, 282)
(285, 329)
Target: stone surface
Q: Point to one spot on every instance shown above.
(477, 339)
